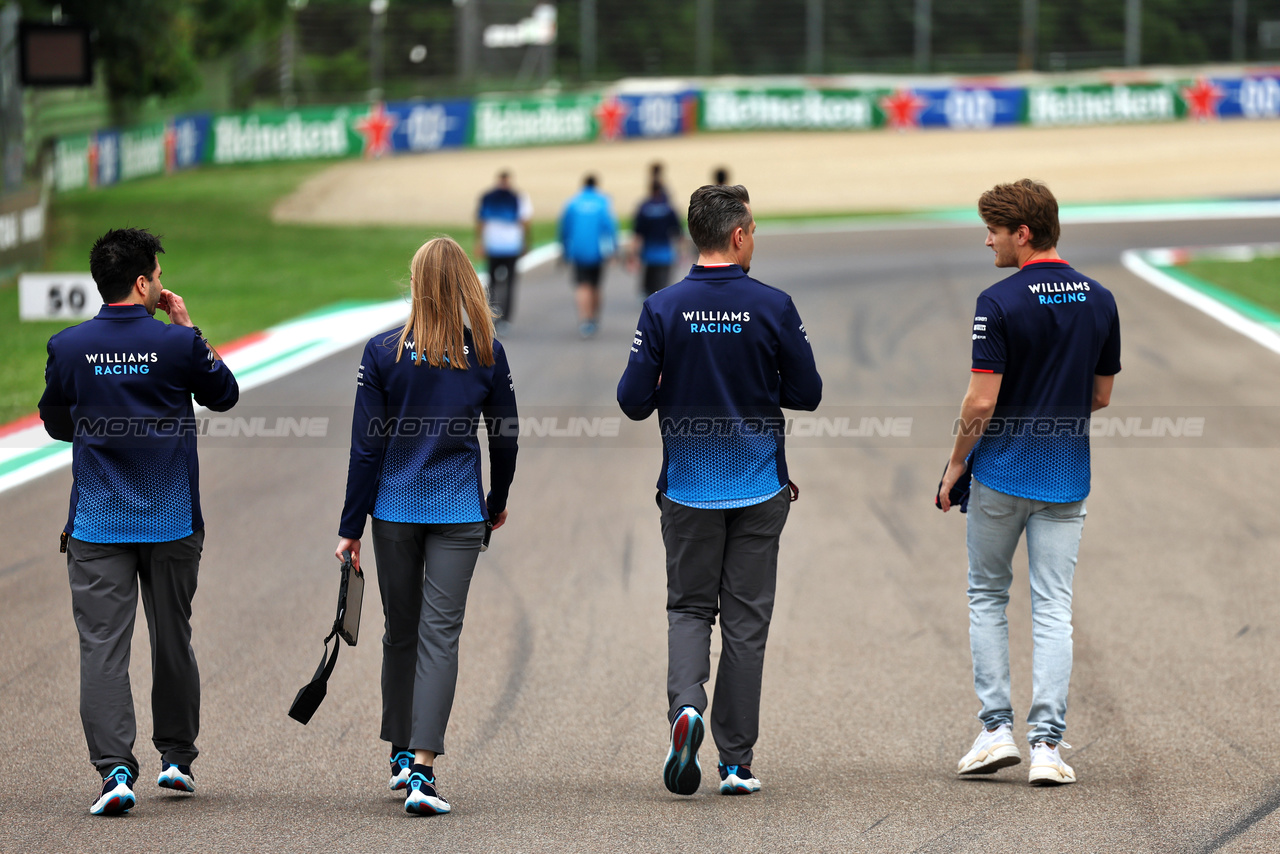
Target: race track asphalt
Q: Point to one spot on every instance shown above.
(558, 731)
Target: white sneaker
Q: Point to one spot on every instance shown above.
(991, 751)
(1047, 767)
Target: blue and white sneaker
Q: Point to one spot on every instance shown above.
(737, 780)
(682, 773)
(400, 763)
(117, 796)
(177, 777)
(423, 798)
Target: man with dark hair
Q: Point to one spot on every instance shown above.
(718, 354)
(588, 238)
(1046, 349)
(502, 236)
(119, 388)
(656, 231)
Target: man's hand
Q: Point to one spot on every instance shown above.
(499, 520)
(172, 305)
(953, 474)
(346, 544)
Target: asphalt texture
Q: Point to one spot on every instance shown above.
(559, 732)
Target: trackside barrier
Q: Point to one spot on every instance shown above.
(648, 109)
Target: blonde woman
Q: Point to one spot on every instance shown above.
(415, 468)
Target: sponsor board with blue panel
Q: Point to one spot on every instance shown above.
(430, 125)
(659, 114)
(970, 107)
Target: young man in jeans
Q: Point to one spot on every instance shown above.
(1046, 349)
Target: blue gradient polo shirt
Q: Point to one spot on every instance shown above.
(1049, 330)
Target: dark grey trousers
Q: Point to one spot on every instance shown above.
(424, 573)
(722, 561)
(105, 579)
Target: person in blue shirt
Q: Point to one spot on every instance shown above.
(118, 387)
(1046, 349)
(588, 238)
(502, 236)
(415, 468)
(657, 232)
(717, 355)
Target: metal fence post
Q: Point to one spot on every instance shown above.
(1030, 25)
(468, 19)
(1239, 14)
(12, 142)
(813, 36)
(703, 34)
(588, 36)
(924, 34)
(1133, 32)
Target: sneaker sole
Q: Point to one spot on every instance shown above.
(427, 806)
(1005, 757)
(682, 774)
(399, 783)
(1048, 776)
(177, 784)
(115, 805)
(739, 788)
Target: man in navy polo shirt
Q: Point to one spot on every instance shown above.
(502, 233)
(1046, 349)
(718, 354)
(656, 231)
(119, 388)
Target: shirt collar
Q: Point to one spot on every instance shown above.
(1046, 261)
(726, 271)
(122, 312)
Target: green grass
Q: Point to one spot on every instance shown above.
(237, 270)
(1257, 281)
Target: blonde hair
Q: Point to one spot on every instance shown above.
(443, 284)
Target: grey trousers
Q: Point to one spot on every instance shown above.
(424, 573)
(105, 579)
(722, 561)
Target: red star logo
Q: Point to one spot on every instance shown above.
(376, 129)
(1202, 99)
(170, 148)
(612, 113)
(902, 109)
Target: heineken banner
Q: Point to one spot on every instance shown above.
(1062, 106)
(649, 116)
(789, 109)
(71, 162)
(534, 121)
(302, 134)
(142, 151)
(1247, 97)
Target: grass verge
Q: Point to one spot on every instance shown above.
(1256, 281)
(237, 270)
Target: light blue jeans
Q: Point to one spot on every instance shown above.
(996, 522)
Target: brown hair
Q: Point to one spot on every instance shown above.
(1024, 202)
(442, 284)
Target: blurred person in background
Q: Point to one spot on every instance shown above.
(135, 520)
(720, 175)
(415, 468)
(1046, 349)
(717, 355)
(655, 240)
(502, 236)
(588, 238)
(656, 177)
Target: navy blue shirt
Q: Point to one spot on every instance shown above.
(1048, 329)
(119, 388)
(657, 227)
(718, 354)
(414, 452)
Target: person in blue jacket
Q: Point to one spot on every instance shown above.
(415, 468)
(119, 388)
(588, 239)
(717, 355)
(657, 232)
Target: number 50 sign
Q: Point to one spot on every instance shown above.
(57, 296)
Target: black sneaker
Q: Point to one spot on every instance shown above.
(682, 774)
(177, 777)
(400, 762)
(737, 780)
(117, 795)
(423, 798)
